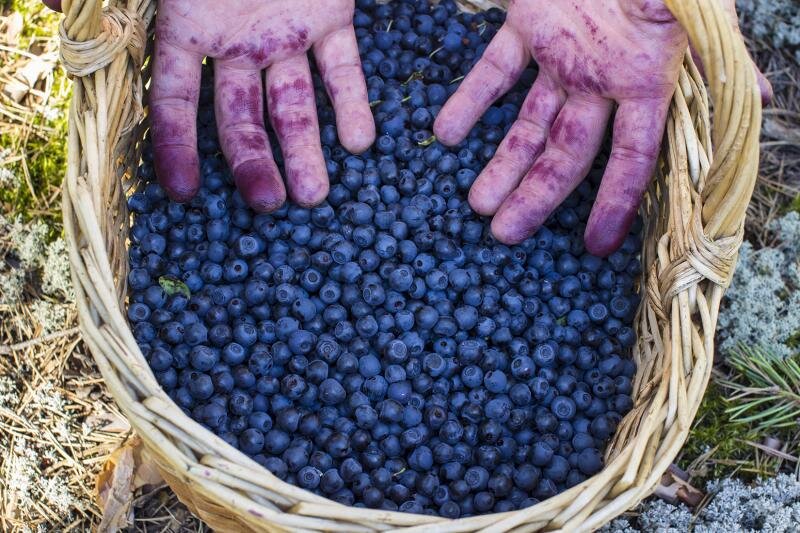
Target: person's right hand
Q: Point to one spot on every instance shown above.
(244, 37)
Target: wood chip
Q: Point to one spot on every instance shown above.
(126, 472)
(675, 487)
(107, 421)
(26, 77)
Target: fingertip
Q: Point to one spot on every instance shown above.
(55, 5)
(601, 244)
(508, 230)
(766, 89)
(308, 183)
(356, 127)
(607, 228)
(480, 202)
(311, 194)
(260, 185)
(178, 171)
(445, 132)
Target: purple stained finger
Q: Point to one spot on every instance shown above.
(340, 66)
(638, 129)
(497, 71)
(575, 139)
(524, 142)
(239, 104)
(173, 111)
(55, 5)
(293, 114)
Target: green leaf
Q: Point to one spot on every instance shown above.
(174, 286)
(427, 142)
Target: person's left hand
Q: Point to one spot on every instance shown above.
(593, 55)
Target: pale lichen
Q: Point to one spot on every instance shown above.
(771, 506)
(8, 392)
(8, 179)
(762, 305)
(12, 284)
(28, 479)
(51, 316)
(56, 280)
(774, 21)
(29, 241)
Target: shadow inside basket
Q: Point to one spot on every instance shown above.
(382, 349)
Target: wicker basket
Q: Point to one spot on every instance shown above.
(694, 214)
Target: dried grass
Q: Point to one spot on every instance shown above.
(779, 176)
(57, 421)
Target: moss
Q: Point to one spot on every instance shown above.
(42, 141)
(795, 205)
(793, 341)
(40, 21)
(45, 159)
(714, 430)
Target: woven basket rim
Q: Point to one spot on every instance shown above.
(695, 212)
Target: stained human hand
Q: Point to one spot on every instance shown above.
(592, 55)
(245, 37)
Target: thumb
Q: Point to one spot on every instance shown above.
(764, 86)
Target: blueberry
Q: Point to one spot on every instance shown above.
(160, 360)
(203, 358)
(138, 312)
(397, 346)
(200, 386)
(590, 461)
(308, 477)
(245, 334)
(331, 392)
(495, 381)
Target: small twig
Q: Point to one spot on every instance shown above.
(47, 56)
(7, 349)
(772, 451)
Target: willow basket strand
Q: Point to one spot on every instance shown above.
(694, 213)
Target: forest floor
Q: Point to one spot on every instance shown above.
(59, 428)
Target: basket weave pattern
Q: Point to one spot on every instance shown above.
(694, 214)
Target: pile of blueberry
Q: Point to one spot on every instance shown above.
(382, 349)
